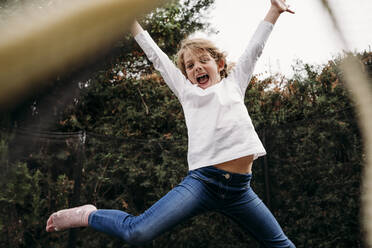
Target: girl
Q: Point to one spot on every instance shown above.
(222, 146)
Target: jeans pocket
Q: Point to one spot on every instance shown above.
(200, 178)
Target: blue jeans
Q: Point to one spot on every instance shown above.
(204, 189)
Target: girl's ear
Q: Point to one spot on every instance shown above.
(221, 65)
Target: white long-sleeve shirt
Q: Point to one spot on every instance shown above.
(219, 126)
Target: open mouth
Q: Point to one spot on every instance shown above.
(202, 79)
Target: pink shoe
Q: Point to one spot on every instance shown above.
(69, 218)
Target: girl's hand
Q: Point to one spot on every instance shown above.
(281, 6)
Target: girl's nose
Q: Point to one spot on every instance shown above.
(198, 66)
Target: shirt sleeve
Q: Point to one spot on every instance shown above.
(242, 72)
(172, 76)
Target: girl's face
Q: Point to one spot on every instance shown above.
(202, 69)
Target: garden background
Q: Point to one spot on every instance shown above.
(111, 133)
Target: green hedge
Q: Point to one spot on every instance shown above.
(134, 151)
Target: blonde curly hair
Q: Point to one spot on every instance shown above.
(202, 45)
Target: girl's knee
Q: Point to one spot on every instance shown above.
(137, 236)
(283, 244)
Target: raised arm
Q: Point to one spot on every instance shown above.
(246, 63)
(277, 7)
(172, 76)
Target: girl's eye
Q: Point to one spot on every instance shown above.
(189, 66)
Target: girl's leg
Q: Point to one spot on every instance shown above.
(253, 215)
(184, 201)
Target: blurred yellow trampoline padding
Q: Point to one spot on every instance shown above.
(34, 46)
(361, 92)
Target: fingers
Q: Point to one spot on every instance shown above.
(286, 7)
(282, 5)
(289, 10)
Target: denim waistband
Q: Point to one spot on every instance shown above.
(212, 173)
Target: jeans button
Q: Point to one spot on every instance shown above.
(227, 175)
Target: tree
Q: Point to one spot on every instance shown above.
(120, 122)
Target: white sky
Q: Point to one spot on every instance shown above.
(308, 35)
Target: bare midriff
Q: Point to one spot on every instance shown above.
(241, 165)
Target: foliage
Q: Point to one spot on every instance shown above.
(121, 141)
(315, 157)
